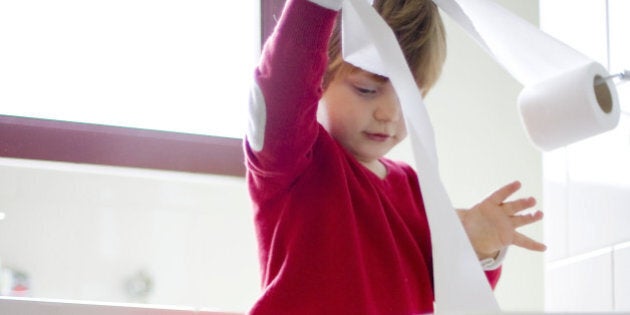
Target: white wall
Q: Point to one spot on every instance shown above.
(482, 146)
(587, 185)
(81, 231)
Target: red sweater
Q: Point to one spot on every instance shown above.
(333, 237)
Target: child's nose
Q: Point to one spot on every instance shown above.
(388, 111)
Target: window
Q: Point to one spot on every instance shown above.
(135, 79)
(162, 65)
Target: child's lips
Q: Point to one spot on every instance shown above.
(376, 136)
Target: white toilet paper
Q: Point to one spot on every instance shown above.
(558, 103)
(460, 284)
(569, 107)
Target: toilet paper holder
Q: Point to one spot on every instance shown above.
(622, 76)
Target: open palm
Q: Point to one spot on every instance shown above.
(491, 225)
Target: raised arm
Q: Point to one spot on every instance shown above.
(284, 98)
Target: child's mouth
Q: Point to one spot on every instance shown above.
(380, 137)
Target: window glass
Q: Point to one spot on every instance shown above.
(158, 64)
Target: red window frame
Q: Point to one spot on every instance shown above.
(42, 139)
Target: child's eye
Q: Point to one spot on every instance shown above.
(365, 91)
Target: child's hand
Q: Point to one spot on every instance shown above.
(491, 225)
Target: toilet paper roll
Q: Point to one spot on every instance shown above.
(569, 107)
(559, 105)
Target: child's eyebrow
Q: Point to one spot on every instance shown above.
(379, 78)
(373, 76)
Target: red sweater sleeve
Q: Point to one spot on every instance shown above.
(493, 277)
(289, 78)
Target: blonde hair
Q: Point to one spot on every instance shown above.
(420, 33)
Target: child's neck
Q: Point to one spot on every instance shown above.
(376, 167)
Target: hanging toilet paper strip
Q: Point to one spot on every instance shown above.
(460, 284)
(559, 91)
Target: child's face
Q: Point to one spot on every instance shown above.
(362, 112)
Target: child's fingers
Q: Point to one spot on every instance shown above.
(523, 241)
(504, 192)
(521, 220)
(516, 206)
